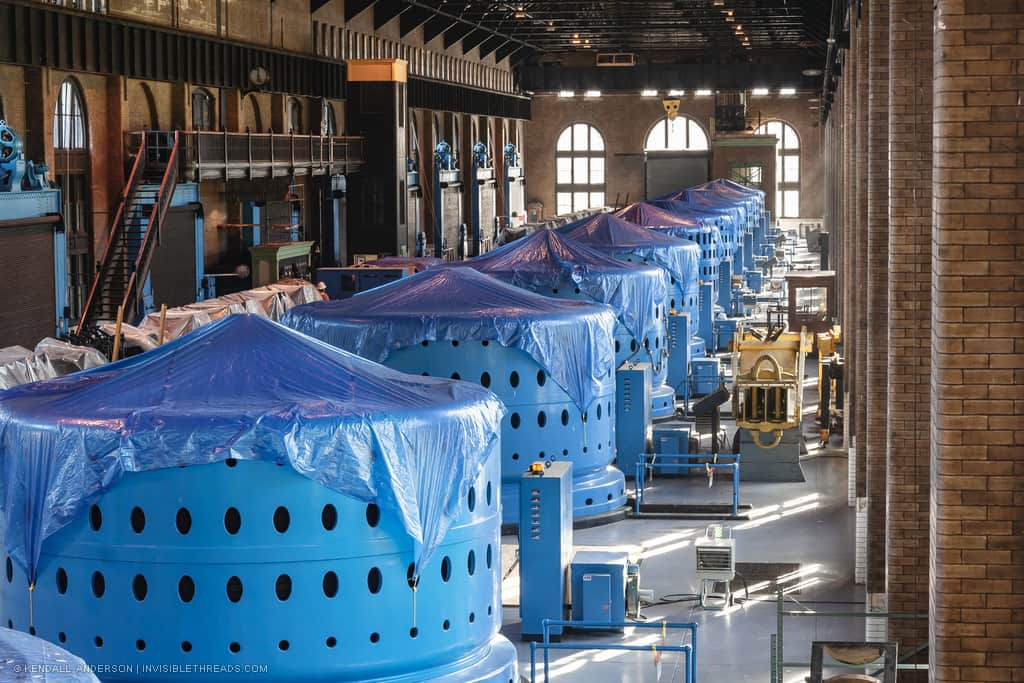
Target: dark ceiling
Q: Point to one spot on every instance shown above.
(677, 30)
(709, 43)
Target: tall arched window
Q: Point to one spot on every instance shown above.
(682, 135)
(252, 118)
(294, 116)
(202, 110)
(69, 118)
(71, 172)
(580, 170)
(787, 169)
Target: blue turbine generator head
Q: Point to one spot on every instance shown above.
(246, 496)
(550, 361)
(549, 263)
(630, 242)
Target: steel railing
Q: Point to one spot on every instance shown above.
(234, 156)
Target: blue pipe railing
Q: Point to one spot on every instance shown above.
(689, 651)
(690, 461)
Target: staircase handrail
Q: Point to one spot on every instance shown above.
(116, 232)
(154, 229)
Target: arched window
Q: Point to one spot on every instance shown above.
(579, 162)
(787, 169)
(294, 116)
(69, 126)
(202, 110)
(682, 135)
(251, 115)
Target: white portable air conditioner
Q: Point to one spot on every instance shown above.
(716, 556)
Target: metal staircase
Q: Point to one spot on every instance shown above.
(135, 232)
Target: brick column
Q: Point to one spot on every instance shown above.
(909, 390)
(877, 286)
(849, 265)
(859, 283)
(861, 219)
(977, 509)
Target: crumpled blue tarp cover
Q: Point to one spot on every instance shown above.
(547, 260)
(709, 203)
(683, 225)
(724, 218)
(571, 340)
(729, 189)
(648, 215)
(417, 262)
(246, 388)
(605, 231)
(27, 659)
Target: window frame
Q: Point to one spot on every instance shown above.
(585, 153)
(70, 119)
(782, 152)
(207, 97)
(690, 124)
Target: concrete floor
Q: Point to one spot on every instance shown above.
(808, 523)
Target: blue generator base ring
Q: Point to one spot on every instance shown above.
(269, 576)
(542, 422)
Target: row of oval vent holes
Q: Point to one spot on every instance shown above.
(542, 455)
(282, 586)
(515, 420)
(235, 647)
(485, 378)
(282, 518)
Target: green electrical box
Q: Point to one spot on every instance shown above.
(279, 261)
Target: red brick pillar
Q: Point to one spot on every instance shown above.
(977, 509)
(859, 283)
(849, 265)
(877, 286)
(909, 390)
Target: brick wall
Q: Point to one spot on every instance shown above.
(977, 512)
(910, 175)
(877, 286)
(625, 120)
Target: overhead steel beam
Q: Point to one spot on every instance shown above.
(456, 33)
(474, 39)
(441, 13)
(412, 20)
(356, 7)
(386, 10)
(491, 45)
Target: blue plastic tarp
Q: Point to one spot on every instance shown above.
(648, 215)
(606, 232)
(547, 260)
(709, 203)
(27, 659)
(723, 218)
(728, 189)
(417, 262)
(571, 340)
(246, 388)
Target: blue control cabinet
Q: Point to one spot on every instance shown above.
(705, 325)
(632, 414)
(681, 350)
(707, 374)
(598, 586)
(545, 545)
